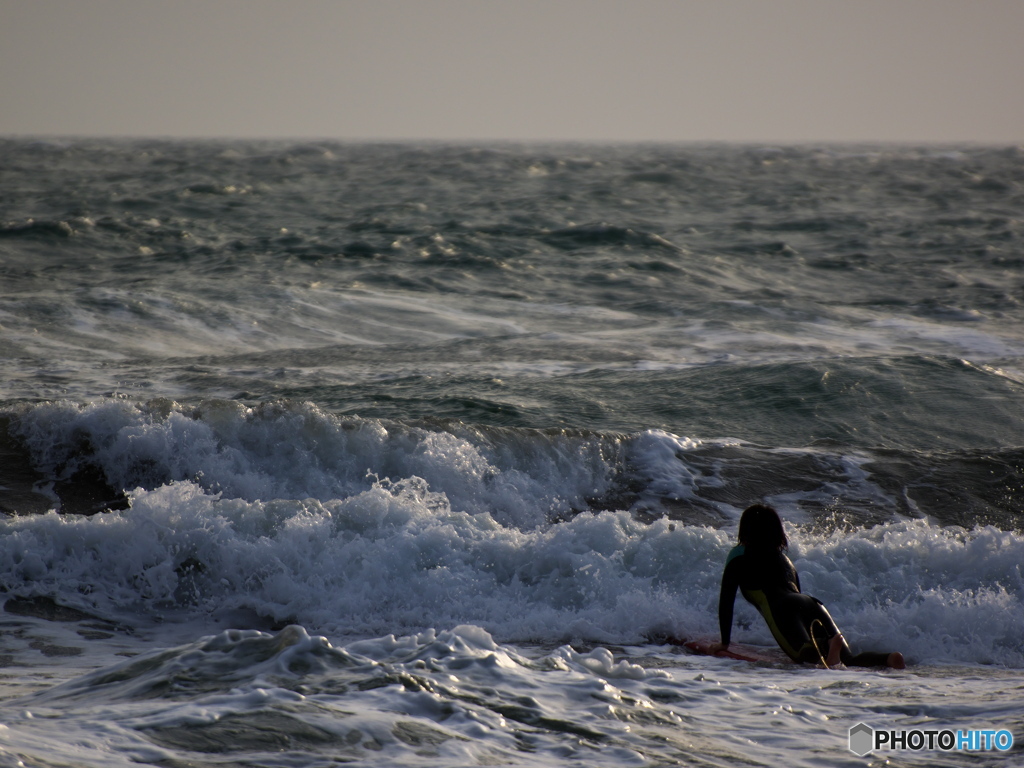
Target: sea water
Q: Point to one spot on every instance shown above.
(396, 454)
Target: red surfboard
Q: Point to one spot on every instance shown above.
(738, 651)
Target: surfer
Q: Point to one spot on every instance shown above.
(764, 574)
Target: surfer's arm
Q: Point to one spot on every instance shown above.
(726, 599)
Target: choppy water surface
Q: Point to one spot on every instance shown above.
(402, 454)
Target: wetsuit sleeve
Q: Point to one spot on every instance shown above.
(727, 597)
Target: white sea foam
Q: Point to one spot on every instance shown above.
(460, 697)
(297, 451)
(397, 556)
(359, 528)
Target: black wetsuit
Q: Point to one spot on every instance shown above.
(798, 622)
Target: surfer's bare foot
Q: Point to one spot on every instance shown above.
(835, 650)
(896, 660)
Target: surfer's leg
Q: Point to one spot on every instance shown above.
(867, 659)
(876, 659)
(838, 650)
(805, 630)
(822, 642)
(828, 644)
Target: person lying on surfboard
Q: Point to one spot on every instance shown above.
(764, 574)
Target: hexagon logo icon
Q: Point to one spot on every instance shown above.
(861, 739)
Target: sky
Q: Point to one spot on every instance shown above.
(581, 70)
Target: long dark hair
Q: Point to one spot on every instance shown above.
(761, 528)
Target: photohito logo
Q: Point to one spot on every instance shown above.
(865, 739)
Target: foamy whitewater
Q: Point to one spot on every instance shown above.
(417, 455)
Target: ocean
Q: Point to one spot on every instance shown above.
(323, 453)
